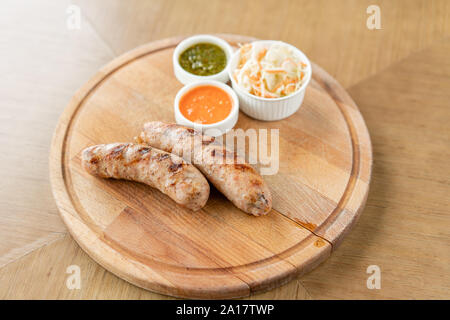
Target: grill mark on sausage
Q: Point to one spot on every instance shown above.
(144, 150)
(129, 161)
(262, 198)
(243, 167)
(258, 200)
(161, 157)
(94, 160)
(117, 152)
(174, 167)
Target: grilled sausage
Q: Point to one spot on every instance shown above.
(168, 173)
(230, 174)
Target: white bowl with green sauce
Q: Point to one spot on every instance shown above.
(202, 57)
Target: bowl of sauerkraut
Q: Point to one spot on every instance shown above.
(270, 79)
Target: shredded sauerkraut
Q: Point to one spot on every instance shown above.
(269, 72)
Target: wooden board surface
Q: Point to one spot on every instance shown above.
(220, 252)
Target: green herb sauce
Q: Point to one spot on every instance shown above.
(203, 59)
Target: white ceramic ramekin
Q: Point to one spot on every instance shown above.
(213, 129)
(186, 77)
(270, 109)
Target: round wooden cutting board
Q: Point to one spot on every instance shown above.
(142, 236)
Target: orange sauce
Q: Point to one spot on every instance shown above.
(205, 104)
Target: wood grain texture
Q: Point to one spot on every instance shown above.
(41, 274)
(335, 34)
(29, 109)
(218, 252)
(404, 228)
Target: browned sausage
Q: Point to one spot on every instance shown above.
(168, 173)
(231, 175)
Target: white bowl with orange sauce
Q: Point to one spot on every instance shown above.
(210, 106)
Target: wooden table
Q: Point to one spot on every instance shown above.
(399, 76)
